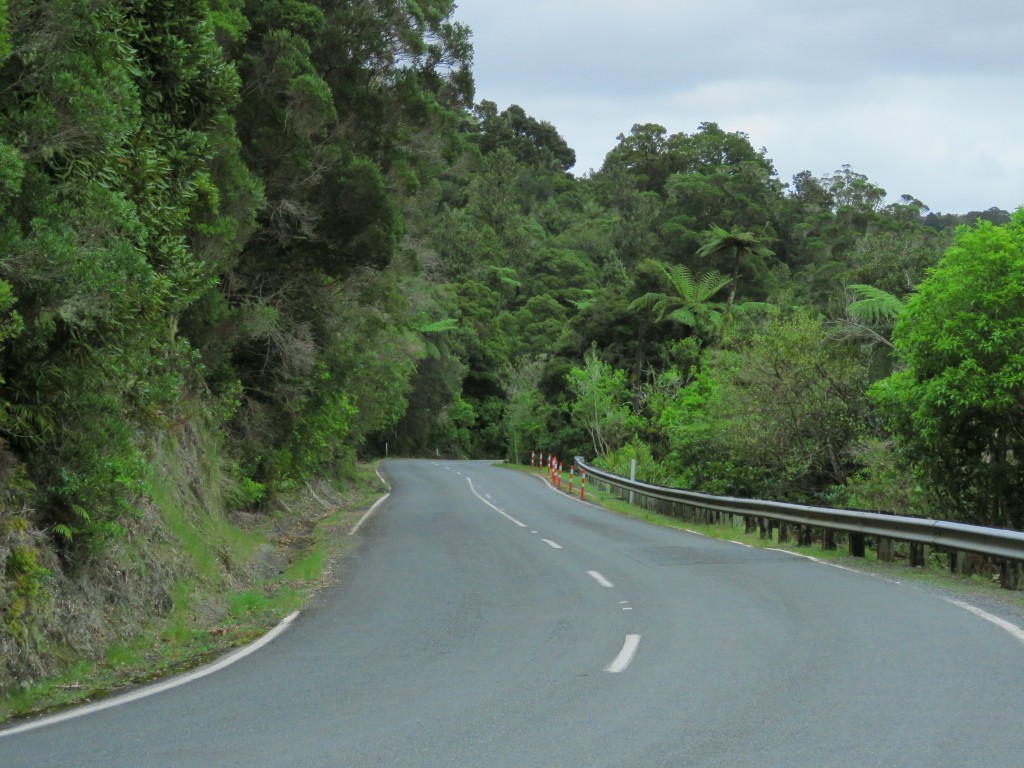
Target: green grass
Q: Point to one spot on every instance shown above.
(207, 618)
(309, 567)
(206, 536)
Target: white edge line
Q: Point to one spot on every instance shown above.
(572, 496)
(552, 544)
(369, 512)
(1013, 629)
(600, 579)
(501, 512)
(819, 561)
(625, 657)
(152, 690)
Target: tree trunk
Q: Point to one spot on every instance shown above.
(735, 279)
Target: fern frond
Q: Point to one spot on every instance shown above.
(647, 301)
(684, 316)
(875, 306)
(711, 283)
(443, 325)
(680, 277)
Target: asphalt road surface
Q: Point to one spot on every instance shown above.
(487, 621)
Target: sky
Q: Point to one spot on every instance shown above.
(924, 97)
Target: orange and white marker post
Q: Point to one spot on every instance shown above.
(572, 471)
(583, 482)
(533, 459)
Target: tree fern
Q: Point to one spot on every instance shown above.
(875, 306)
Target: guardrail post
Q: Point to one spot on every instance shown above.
(783, 533)
(884, 550)
(1011, 574)
(828, 539)
(916, 555)
(956, 561)
(856, 545)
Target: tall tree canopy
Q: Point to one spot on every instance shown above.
(957, 408)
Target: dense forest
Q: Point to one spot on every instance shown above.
(245, 242)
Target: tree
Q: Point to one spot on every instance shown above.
(524, 416)
(601, 404)
(874, 314)
(773, 416)
(689, 301)
(745, 247)
(531, 141)
(957, 408)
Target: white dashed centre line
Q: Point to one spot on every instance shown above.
(600, 579)
(552, 544)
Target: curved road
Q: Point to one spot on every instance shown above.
(488, 621)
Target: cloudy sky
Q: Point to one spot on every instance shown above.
(924, 97)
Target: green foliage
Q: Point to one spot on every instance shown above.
(875, 306)
(25, 577)
(525, 417)
(776, 415)
(746, 248)
(601, 404)
(689, 303)
(648, 469)
(956, 406)
(883, 483)
(23, 587)
(283, 226)
(532, 142)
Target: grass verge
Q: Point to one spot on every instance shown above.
(269, 566)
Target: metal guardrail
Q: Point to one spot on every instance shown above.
(1005, 546)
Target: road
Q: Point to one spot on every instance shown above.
(486, 620)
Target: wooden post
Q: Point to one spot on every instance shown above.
(828, 539)
(1011, 574)
(956, 561)
(885, 550)
(856, 545)
(916, 555)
